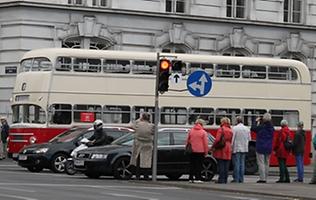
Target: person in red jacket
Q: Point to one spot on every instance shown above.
(224, 154)
(281, 152)
(197, 137)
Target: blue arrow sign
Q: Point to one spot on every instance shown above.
(199, 83)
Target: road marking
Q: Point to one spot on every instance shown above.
(241, 198)
(131, 196)
(15, 189)
(16, 197)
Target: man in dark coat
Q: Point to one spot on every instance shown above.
(298, 150)
(4, 135)
(99, 136)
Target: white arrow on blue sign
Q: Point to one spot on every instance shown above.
(199, 83)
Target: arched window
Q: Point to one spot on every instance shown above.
(176, 48)
(236, 52)
(78, 42)
(294, 56)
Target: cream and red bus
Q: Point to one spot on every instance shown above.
(60, 88)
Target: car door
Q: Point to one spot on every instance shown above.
(180, 159)
(164, 159)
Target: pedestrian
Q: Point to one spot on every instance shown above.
(223, 154)
(143, 145)
(264, 137)
(298, 150)
(4, 135)
(240, 141)
(197, 137)
(281, 152)
(313, 180)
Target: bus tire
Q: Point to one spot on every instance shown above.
(251, 161)
(58, 162)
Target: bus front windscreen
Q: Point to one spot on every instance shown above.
(28, 113)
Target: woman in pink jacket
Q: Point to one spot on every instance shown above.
(224, 154)
(197, 137)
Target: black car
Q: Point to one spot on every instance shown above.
(114, 159)
(52, 155)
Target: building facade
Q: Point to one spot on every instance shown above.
(269, 28)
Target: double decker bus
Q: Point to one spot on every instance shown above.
(60, 88)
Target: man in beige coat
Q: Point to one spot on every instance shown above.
(143, 145)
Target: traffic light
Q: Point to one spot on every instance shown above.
(164, 73)
(177, 65)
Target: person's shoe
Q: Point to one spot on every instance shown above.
(298, 181)
(233, 181)
(261, 181)
(198, 181)
(287, 181)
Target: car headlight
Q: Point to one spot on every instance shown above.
(99, 156)
(41, 150)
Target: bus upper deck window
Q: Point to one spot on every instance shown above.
(144, 67)
(41, 64)
(26, 64)
(282, 73)
(63, 64)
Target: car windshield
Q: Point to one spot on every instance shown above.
(67, 136)
(125, 140)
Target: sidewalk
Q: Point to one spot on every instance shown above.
(284, 190)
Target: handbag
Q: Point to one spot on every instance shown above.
(188, 148)
(222, 142)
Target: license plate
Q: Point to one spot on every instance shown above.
(79, 162)
(22, 157)
(15, 155)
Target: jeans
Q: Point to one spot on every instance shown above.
(263, 161)
(239, 166)
(196, 161)
(300, 167)
(223, 166)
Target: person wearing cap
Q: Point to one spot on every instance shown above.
(197, 137)
(4, 135)
(298, 151)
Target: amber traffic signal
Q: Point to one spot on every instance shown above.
(164, 73)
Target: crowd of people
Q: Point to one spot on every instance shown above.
(231, 144)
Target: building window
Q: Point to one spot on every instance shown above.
(175, 6)
(292, 11)
(236, 8)
(100, 3)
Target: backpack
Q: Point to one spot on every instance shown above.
(288, 143)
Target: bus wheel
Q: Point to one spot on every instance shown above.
(58, 163)
(35, 169)
(251, 161)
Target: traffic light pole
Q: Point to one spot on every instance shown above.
(155, 155)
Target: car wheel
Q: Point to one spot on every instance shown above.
(121, 169)
(209, 169)
(35, 169)
(70, 168)
(58, 163)
(174, 176)
(251, 161)
(93, 175)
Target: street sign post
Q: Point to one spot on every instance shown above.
(199, 83)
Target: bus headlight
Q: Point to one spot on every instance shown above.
(41, 150)
(32, 140)
(99, 156)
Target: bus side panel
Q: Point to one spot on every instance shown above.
(19, 137)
